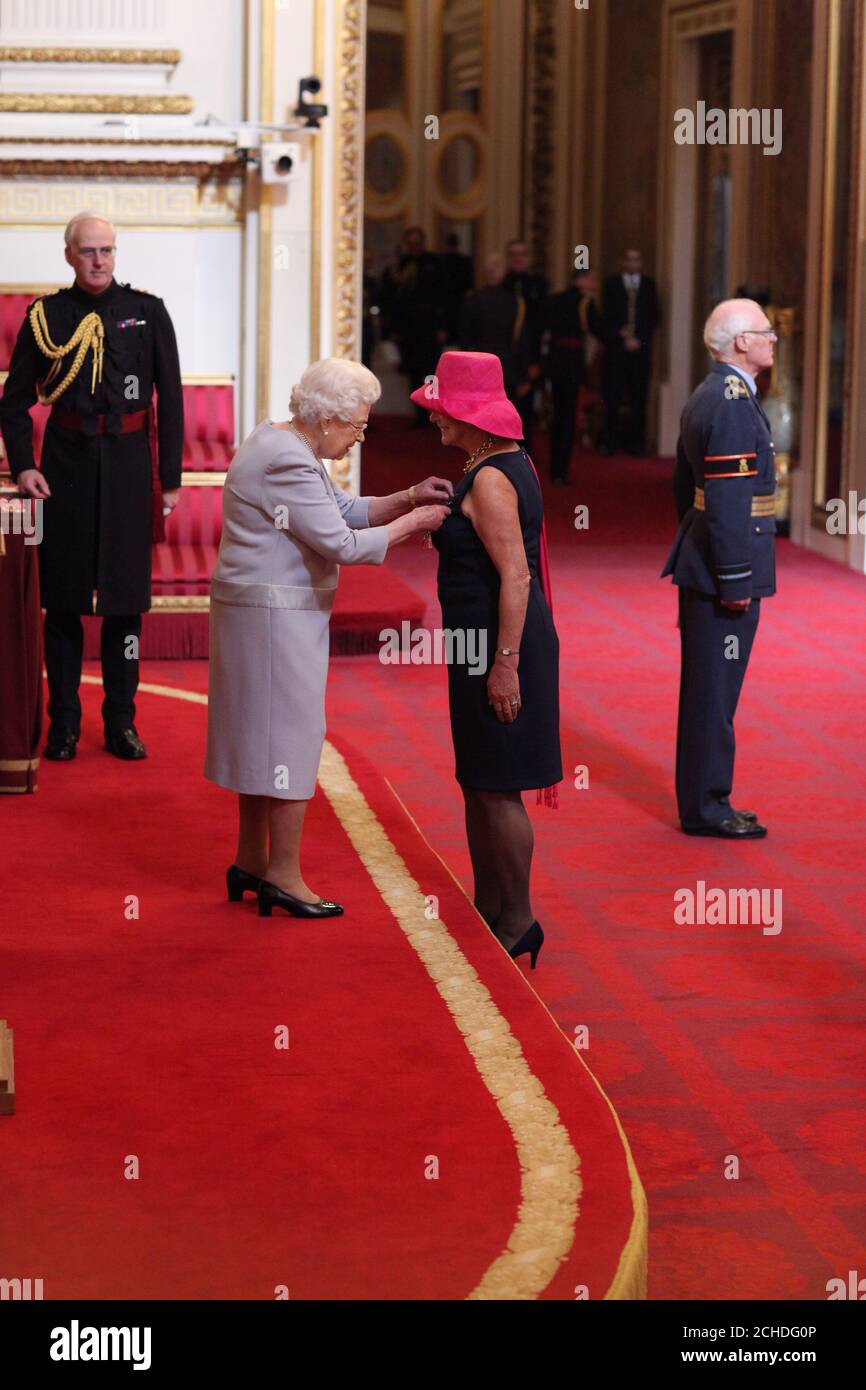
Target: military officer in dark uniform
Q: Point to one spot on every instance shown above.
(569, 317)
(96, 352)
(722, 560)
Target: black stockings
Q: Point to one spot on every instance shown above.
(500, 845)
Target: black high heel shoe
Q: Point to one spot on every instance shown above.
(531, 941)
(270, 896)
(238, 882)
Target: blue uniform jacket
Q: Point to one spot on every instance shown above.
(725, 450)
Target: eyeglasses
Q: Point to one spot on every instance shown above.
(91, 251)
(359, 430)
(768, 333)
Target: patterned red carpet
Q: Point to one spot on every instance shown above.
(734, 1058)
(714, 1042)
(214, 1105)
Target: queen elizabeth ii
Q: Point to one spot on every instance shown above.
(286, 531)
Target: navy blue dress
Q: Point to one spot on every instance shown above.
(492, 756)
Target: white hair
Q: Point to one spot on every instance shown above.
(333, 389)
(72, 224)
(729, 318)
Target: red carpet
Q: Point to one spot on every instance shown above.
(711, 1041)
(146, 1034)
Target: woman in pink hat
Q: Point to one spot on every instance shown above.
(493, 583)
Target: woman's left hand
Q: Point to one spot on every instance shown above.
(503, 692)
(433, 490)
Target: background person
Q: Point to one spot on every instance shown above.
(569, 317)
(630, 310)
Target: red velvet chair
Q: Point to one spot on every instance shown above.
(209, 423)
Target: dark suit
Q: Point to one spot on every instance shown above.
(624, 371)
(97, 527)
(414, 311)
(530, 294)
(724, 484)
(568, 316)
(488, 323)
(457, 279)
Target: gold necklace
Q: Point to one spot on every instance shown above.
(482, 448)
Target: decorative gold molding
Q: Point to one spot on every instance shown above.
(108, 140)
(208, 379)
(169, 56)
(123, 168)
(542, 100)
(96, 102)
(10, 288)
(202, 479)
(203, 202)
(394, 126)
(180, 603)
(187, 378)
(472, 202)
(349, 174)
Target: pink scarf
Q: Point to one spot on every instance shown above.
(548, 795)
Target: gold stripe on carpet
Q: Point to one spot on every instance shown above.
(550, 1184)
(630, 1279)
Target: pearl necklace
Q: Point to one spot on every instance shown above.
(302, 436)
(482, 449)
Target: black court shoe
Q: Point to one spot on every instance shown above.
(270, 896)
(531, 942)
(60, 745)
(238, 882)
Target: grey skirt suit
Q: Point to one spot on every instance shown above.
(286, 531)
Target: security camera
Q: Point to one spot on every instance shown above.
(279, 161)
(308, 111)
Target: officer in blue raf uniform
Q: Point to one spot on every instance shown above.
(722, 560)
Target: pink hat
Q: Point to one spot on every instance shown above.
(469, 386)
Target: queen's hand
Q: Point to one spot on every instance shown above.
(432, 490)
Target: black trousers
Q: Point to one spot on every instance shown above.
(64, 644)
(526, 410)
(626, 373)
(564, 393)
(711, 678)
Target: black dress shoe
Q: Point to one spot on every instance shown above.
(125, 744)
(60, 745)
(731, 829)
(270, 896)
(238, 882)
(748, 816)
